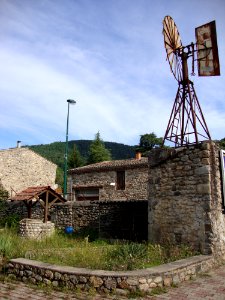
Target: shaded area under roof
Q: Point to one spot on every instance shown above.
(45, 195)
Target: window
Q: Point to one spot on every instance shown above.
(120, 180)
(83, 194)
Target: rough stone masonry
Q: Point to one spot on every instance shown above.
(185, 198)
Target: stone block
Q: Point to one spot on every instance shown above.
(121, 292)
(142, 280)
(157, 279)
(176, 279)
(96, 281)
(203, 170)
(152, 285)
(110, 283)
(143, 287)
(203, 188)
(132, 281)
(167, 281)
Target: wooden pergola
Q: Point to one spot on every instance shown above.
(44, 195)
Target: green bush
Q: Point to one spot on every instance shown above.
(11, 221)
(128, 255)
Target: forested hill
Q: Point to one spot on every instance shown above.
(55, 151)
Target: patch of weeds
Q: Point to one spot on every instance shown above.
(158, 291)
(92, 291)
(136, 293)
(10, 278)
(80, 252)
(174, 285)
(47, 289)
(63, 289)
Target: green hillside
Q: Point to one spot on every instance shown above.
(55, 151)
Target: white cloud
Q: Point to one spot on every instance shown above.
(109, 57)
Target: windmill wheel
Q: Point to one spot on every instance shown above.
(173, 45)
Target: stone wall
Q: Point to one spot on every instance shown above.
(185, 197)
(114, 219)
(135, 186)
(21, 168)
(119, 282)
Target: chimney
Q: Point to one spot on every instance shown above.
(138, 155)
(18, 144)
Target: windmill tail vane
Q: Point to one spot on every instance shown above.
(187, 124)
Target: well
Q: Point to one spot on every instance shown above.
(35, 228)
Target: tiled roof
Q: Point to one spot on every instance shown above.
(112, 165)
(34, 192)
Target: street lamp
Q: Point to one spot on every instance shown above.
(70, 101)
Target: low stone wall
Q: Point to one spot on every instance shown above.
(105, 281)
(35, 229)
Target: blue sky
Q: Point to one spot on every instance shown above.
(109, 56)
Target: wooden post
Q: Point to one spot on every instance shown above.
(46, 208)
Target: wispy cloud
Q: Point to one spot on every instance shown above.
(107, 55)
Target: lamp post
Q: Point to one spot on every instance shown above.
(70, 101)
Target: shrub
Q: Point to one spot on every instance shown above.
(128, 255)
(11, 221)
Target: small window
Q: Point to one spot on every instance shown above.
(120, 181)
(83, 194)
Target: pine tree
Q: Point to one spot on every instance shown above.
(97, 151)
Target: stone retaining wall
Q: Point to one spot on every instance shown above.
(120, 282)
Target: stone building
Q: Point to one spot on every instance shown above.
(110, 180)
(21, 168)
(186, 199)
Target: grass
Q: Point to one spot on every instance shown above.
(70, 250)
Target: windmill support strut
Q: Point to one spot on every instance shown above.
(187, 123)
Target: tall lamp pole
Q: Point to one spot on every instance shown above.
(70, 101)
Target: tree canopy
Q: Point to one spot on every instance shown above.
(98, 151)
(149, 141)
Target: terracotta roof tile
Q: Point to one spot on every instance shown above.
(33, 192)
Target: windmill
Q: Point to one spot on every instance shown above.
(187, 124)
